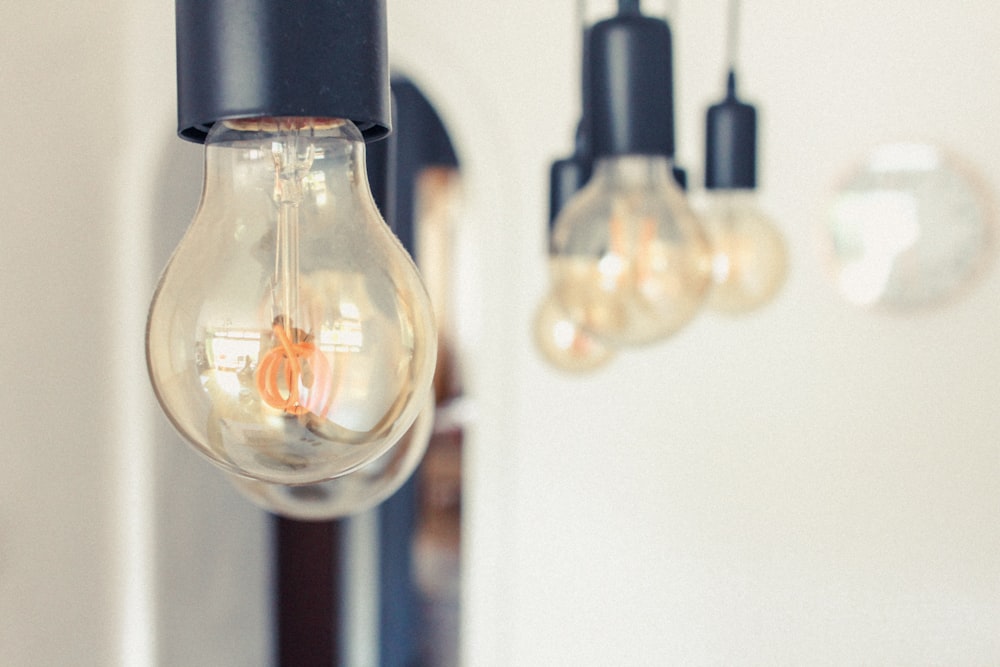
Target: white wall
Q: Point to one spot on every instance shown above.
(117, 545)
(813, 485)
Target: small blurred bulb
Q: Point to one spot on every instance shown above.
(563, 344)
(630, 261)
(559, 339)
(749, 257)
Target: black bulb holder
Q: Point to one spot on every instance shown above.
(628, 92)
(253, 58)
(566, 178)
(568, 175)
(731, 143)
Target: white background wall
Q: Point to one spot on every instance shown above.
(812, 485)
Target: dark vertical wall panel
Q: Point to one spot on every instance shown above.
(306, 600)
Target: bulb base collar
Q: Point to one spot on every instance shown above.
(251, 58)
(566, 178)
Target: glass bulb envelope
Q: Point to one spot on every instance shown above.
(290, 339)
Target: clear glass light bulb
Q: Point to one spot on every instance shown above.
(563, 344)
(631, 263)
(290, 339)
(749, 257)
(348, 494)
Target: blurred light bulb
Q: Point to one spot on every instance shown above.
(563, 344)
(631, 263)
(558, 338)
(348, 494)
(749, 258)
(290, 338)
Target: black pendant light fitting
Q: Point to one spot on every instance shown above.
(731, 128)
(282, 58)
(628, 92)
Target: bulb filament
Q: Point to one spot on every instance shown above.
(643, 252)
(290, 365)
(296, 363)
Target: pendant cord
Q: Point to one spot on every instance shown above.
(581, 26)
(732, 45)
(629, 7)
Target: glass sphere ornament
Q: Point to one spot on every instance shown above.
(348, 494)
(910, 228)
(290, 339)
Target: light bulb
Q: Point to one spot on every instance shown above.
(563, 344)
(558, 338)
(631, 263)
(749, 258)
(348, 494)
(290, 339)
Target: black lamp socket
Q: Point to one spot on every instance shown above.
(731, 143)
(253, 58)
(628, 93)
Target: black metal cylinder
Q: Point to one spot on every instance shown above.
(250, 58)
(629, 92)
(569, 175)
(566, 177)
(731, 143)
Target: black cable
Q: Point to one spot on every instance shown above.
(629, 7)
(732, 40)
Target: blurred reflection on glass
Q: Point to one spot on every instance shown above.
(352, 493)
(910, 228)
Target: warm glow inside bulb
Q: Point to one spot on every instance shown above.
(561, 342)
(291, 339)
(749, 257)
(631, 262)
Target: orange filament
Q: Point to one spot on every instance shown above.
(282, 367)
(642, 253)
(644, 260)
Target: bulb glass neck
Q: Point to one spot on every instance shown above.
(253, 129)
(291, 152)
(633, 170)
(283, 123)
